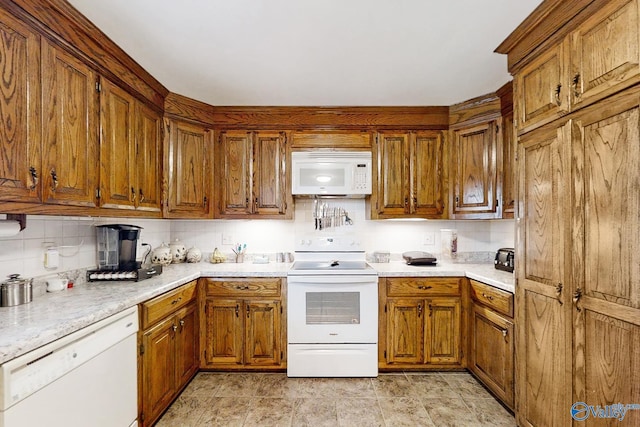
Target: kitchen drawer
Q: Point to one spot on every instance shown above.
(166, 304)
(497, 299)
(419, 286)
(244, 287)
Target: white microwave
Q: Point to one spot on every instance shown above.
(334, 173)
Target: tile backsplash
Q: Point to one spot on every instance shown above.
(76, 241)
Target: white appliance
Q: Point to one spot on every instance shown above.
(87, 378)
(332, 315)
(331, 173)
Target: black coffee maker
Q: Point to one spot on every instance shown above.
(117, 245)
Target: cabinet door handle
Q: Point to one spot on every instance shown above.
(34, 178)
(457, 201)
(504, 335)
(576, 298)
(576, 86)
(248, 311)
(489, 297)
(559, 293)
(133, 194)
(430, 310)
(237, 310)
(141, 195)
(181, 324)
(255, 206)
(54, 180)
(419, 310)
(557, 95)
(174, 327)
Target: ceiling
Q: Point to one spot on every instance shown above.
(316, 52)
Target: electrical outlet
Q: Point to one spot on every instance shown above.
(228, 239)
(429, 238)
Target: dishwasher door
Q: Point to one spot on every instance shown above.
(85, 378)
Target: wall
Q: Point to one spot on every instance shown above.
(24, 253)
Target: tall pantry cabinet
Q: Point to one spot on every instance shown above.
(576, 71)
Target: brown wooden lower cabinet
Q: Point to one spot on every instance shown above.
(420, 323)
(242, 325)
(168, 343)
(491, 347)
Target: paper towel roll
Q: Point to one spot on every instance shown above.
(9, 228)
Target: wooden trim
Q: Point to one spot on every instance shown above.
(547, 24)
(307, 117)
(184, 108)
(474, 111)
(505, 93)
(63, 24)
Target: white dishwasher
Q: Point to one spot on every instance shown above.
(86, 378)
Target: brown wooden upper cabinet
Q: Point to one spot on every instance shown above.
(20, 103)
(189, 170)
(251, 173)
(596, 60)
(129, 151)
(474, 173)
(409, 179)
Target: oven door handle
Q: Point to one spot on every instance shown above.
(333, 279)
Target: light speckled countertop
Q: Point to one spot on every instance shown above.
(54, 315)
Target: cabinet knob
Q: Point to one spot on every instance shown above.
(576, 298)
(34, 178)
(489, 297)
(557, 95)
(174, 327)
(576, 86)
(54, 180)
(559, 293)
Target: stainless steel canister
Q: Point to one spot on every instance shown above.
(15, 291)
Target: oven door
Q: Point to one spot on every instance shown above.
(332, 309)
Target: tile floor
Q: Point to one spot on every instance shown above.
(402, 399)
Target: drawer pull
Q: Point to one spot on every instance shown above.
(489, 297)
(242, 288)
(175, 301)
(424, 288)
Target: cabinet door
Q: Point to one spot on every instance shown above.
(223, 332)
(442, 331)
(158, 369)
(605, 55)
(427, 151)
(235, 155)
(492, 352)
(474, 172)
(607, 305)
(70, 147)
(405, 331)
(543, 313)
(117, 148)
(148, 165)
(188, 158)
(393, 174)
(262, 333)
(20, 106)
(541, 88)
(187, 361)
(269, 180)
